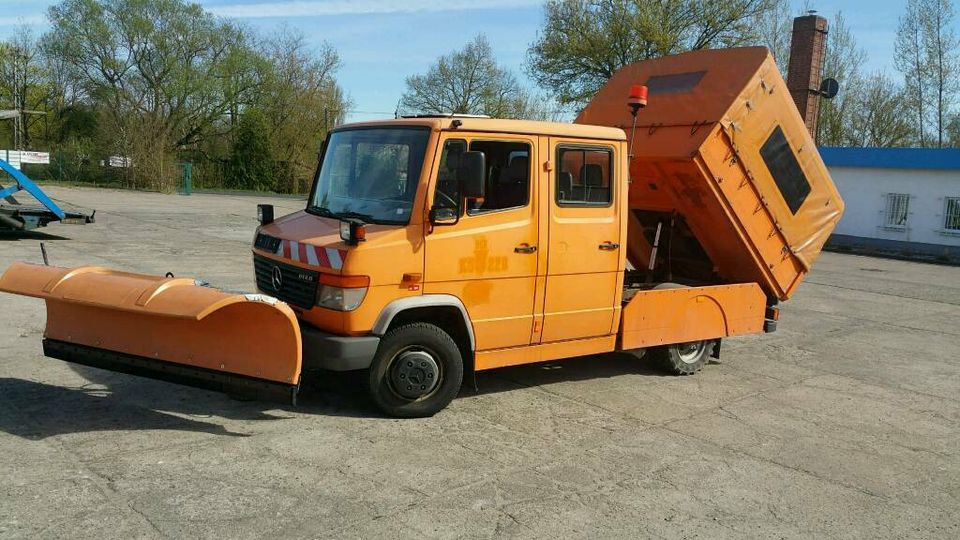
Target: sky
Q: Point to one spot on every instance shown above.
(381, 42)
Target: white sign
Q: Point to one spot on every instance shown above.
(119, 161)
(35, 157)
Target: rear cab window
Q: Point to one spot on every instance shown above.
(583, 175)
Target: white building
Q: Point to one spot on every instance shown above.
(904, 201)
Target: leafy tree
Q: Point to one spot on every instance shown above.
(165, 72)
(468, 81)
(24, 85)
(584, 42)
(251, 164)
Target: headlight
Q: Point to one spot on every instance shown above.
(339, 298)
(342, 293)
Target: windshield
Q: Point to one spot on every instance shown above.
(370, 174)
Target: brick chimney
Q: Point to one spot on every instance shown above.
(807, 49)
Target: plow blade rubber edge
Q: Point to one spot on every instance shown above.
(165, 328)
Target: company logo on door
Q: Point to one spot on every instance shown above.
(481, 261)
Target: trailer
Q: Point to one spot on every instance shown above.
(15, 216)
(685, 203)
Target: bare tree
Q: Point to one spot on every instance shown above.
(880, 117)
(953, 131)
(843, 62)
(940, 45)
(774, 31)
(468, 81)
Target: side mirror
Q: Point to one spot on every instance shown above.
(441, 215)
(265, 214)
(472, 174)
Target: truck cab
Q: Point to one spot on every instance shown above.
(504, 234)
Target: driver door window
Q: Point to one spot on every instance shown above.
(447, 194)
(507, 182)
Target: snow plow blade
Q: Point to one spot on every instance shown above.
(171, 329)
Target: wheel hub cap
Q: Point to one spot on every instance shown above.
(690, 352)
(414, 374)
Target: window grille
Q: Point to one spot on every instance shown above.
(951, 214)
(898, 207)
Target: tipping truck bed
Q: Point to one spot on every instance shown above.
(722, 149)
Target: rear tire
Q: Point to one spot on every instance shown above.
(416, 372)
(683, 358)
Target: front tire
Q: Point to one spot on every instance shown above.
(416, 372)
(683, 358)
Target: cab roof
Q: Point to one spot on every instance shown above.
(500, 125)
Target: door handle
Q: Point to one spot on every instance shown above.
(525, 248)
(609, 246)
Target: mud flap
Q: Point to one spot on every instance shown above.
(165, 328)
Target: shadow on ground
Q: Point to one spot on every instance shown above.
(114, 401)
(29, 235)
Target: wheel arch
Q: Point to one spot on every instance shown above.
(443, 310)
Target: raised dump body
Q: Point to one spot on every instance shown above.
(724, 167)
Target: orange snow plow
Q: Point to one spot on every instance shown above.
(166, 328)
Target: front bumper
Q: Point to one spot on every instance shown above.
(323, 350)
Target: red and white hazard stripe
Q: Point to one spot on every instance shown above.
(326, 257)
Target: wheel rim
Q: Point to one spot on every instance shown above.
(690, 353)
(414, 373)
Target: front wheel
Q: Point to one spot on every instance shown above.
(416, 372)
(684, 358)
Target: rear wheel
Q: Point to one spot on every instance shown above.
(416, 372)
(684, 358)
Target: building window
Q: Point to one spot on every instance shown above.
(898, 207)
(951, 215)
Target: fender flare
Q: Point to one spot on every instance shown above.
(427, 300)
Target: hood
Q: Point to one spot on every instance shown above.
(315, 241)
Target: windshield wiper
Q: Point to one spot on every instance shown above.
(326, 212)
(366, 218)
(321, 211)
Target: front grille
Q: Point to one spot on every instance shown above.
(297, 286)
(266, 243)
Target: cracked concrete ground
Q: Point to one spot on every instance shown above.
(843, 424)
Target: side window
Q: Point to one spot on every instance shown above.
(447, 193)
(583, 177)
(508, 175)
(785, 170)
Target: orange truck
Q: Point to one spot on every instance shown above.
(434, 247)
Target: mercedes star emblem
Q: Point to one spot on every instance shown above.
(277, 278)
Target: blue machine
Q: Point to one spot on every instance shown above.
(15, 216)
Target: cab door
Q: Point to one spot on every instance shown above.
(584, 268)
(489, 258)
